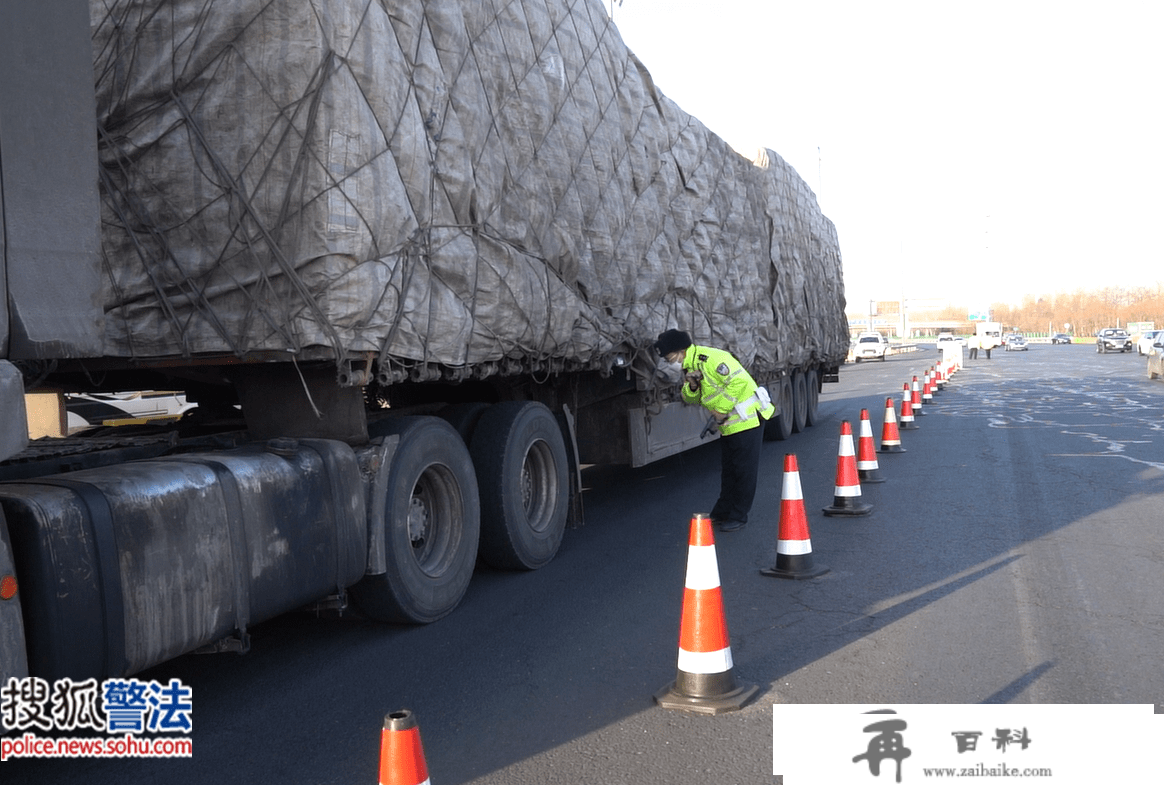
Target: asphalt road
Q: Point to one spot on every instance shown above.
(1012, 555)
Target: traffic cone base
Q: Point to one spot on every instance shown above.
(794, 567)
(704, 682)
(705, 694)
(847, 506)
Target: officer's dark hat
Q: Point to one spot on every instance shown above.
(672, 341)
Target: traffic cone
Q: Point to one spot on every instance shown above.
(793, 546)
(401, 755)
(928, 387)
(847, 492)
(940, 375)
(907, 421)
(705, 682)
(867, 468)
(890, 438)
(916, 399)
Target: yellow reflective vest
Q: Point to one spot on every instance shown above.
(726, 389)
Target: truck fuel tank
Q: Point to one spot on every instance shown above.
(122, 567)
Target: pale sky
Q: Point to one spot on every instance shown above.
(977, 151)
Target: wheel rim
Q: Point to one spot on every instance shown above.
(433, 510)
(539, 486)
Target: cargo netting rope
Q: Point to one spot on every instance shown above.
(457, 189)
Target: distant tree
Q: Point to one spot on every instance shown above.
(1087, 311)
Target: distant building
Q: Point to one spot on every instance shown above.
(921, 318)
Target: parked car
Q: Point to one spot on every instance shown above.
(1156, 357)
(949, 338)
(1144, 345)
(1060, 338)
(870, 346)
(1113, 339)
(1015, 343)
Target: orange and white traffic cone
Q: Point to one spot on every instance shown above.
(916, 399)
(705, 682)
(928, 385)
(890, 438)
(867, 468)
(401, 756)
(847, 492)
(907, 421)
(793, 545)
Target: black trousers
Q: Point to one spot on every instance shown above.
(740, 469)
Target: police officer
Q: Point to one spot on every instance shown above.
(714, 379)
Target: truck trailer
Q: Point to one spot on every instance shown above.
(408, 259)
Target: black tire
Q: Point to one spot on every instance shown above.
(432, 520)
(523, 475)
(464, 417)
(812, 382)
(779, 427)
(799, 402)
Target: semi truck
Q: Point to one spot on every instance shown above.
(406, 262)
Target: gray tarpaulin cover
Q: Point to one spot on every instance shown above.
(488, 184)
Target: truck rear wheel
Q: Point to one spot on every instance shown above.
(799, 402)
(812, 384)
(520, 456)
(779, 427)
(432, 519)
(464, 417)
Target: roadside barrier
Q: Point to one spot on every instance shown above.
(890, 438)
(705, 681)
(907, 423)
(867, 468)
(847, 491)
(401, 756)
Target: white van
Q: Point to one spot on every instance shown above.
(989, 334)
